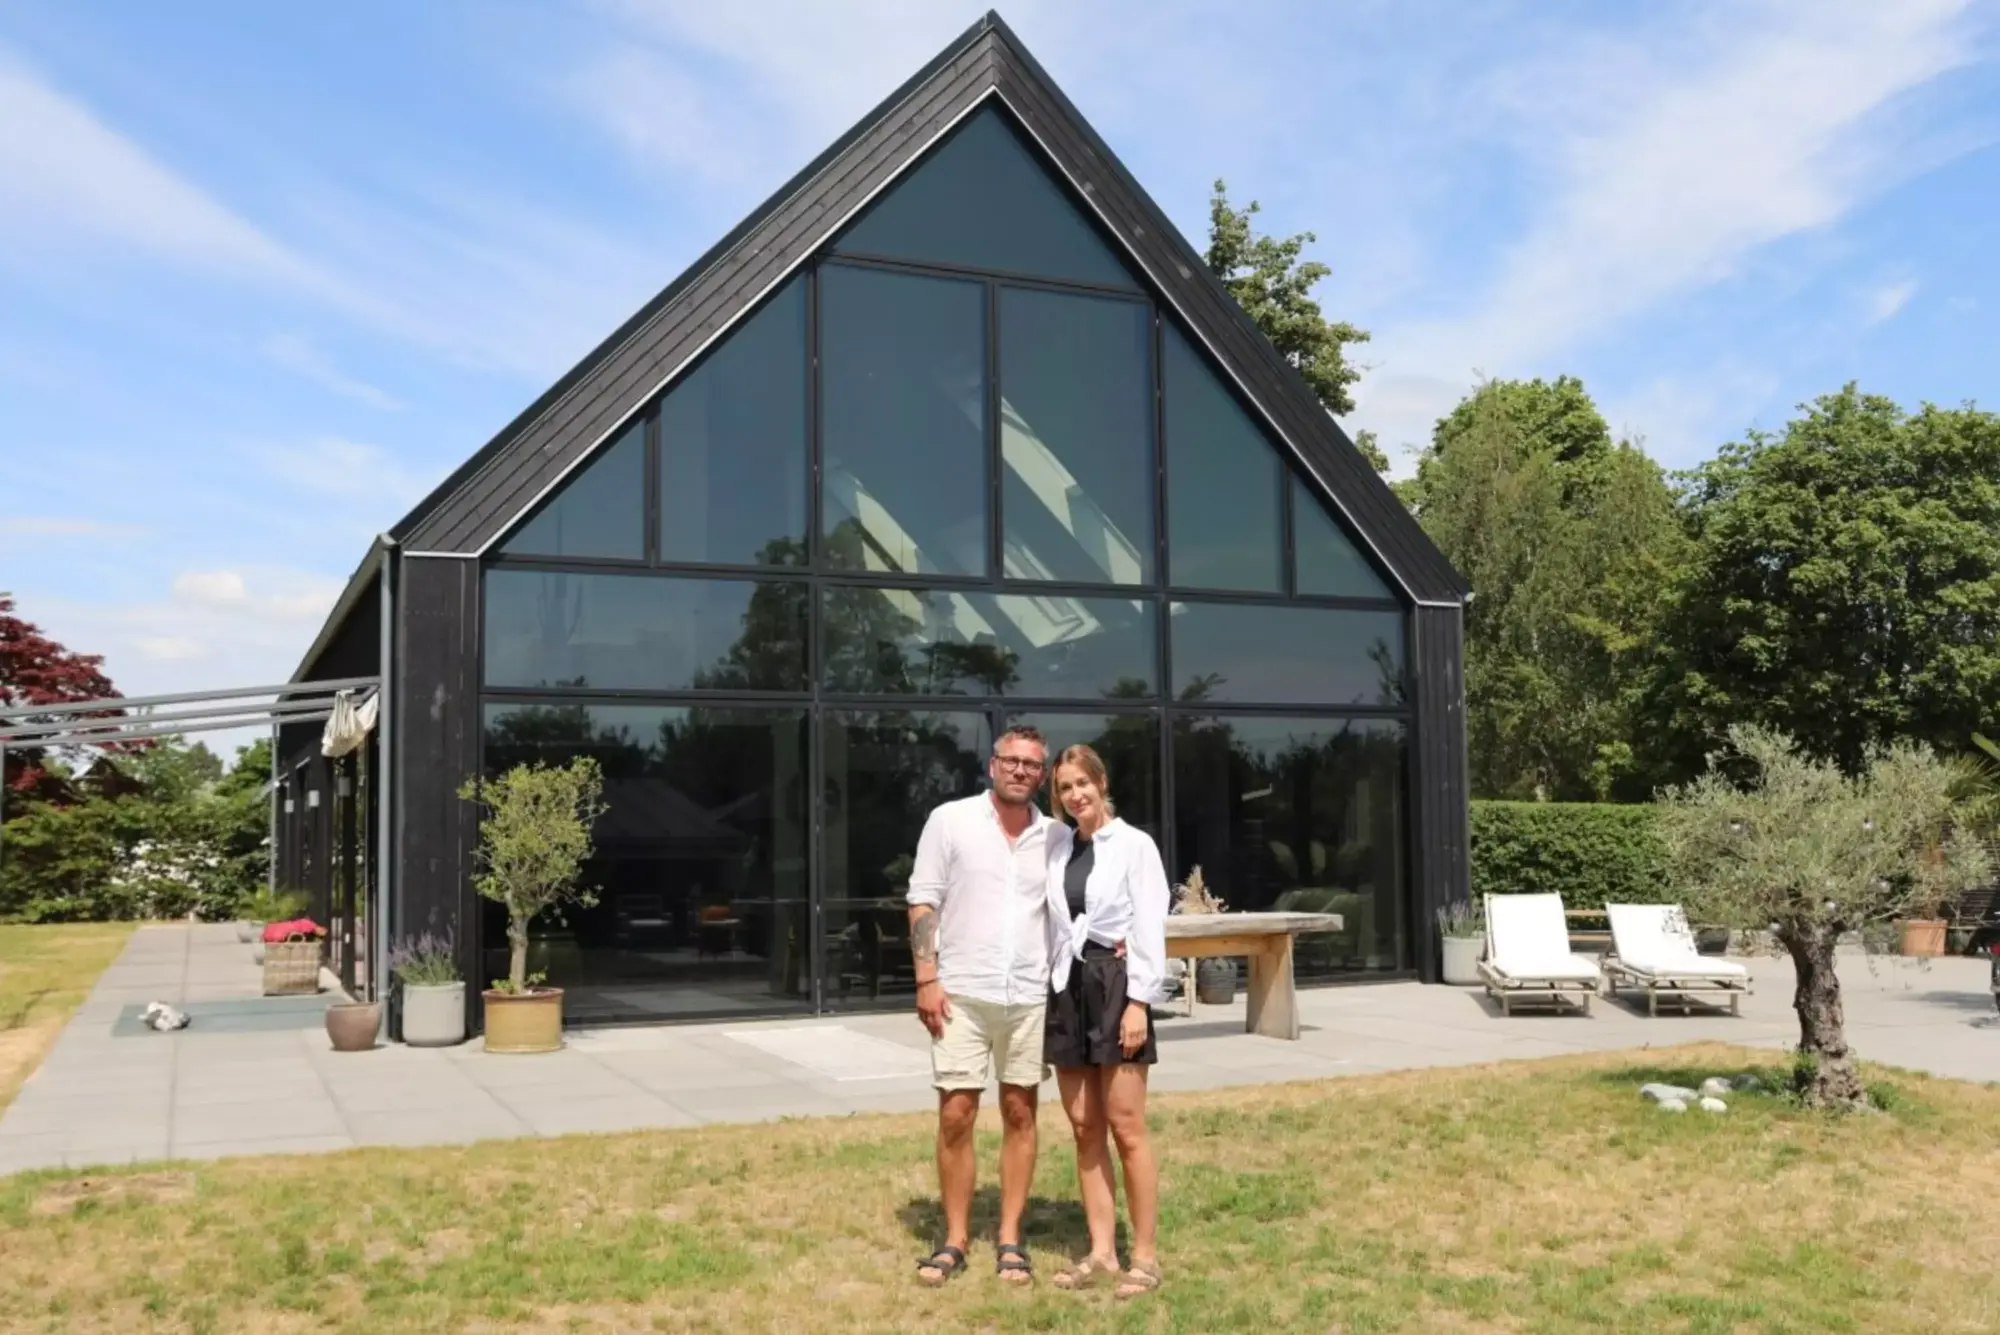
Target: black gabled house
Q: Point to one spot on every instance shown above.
(955, 429)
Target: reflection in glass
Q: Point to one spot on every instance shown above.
(903, 413)
(643, 632)
(884, 772)
(599, 512)
(1129, 745)
(733, 445)
(1300, 815)
(1243, 653)
(948, 642)
(983, 200)
(1223, 480)
(1329, 564)
(1076, 437)
(699, 863)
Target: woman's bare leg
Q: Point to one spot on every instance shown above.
(1083, 1100)
(1125, 1112)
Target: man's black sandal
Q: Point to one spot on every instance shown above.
(949, 1262)
(1012, 1257)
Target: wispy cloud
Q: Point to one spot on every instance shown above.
(70, 178)
(1889, 299)
(295, 352)
(1665, 165)
(345, 469)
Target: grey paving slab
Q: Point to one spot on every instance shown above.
(257, 1075)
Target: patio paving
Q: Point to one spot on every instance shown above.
(255, 1075)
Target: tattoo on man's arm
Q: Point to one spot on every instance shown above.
(923, 935)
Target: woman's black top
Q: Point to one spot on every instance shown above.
(1074, 876)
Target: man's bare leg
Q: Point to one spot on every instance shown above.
(958, 1113)
(1017, 1163)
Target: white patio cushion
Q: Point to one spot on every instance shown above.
(1656, 939)
(1527, 937)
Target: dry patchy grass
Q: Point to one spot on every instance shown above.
(1539, 1197)
(45, 973)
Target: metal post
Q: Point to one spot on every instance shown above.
(385, 837)
(271, 861)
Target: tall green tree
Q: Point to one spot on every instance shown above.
(1273, 284)
(1568, 538)
(1845, 585)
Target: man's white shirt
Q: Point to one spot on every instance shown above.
(994, 938)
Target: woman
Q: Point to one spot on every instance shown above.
(1108, 969)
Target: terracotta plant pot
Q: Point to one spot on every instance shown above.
(1923, 937)
(524, 1021)
(353, 1025)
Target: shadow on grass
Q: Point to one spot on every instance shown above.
(1055, 1226)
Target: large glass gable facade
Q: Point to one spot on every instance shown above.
(953, 476)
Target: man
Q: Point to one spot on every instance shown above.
(980, 932)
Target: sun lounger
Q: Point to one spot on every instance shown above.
(1652, 948)
(1528, 958)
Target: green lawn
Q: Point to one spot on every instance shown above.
(45, 973)
(1535, 1198)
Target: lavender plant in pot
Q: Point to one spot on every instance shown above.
(1463, 937)
(432, 994)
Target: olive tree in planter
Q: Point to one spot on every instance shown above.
(1770, 837)
(534, 837)
(433, 994)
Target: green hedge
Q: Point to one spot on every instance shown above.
(1590, 853)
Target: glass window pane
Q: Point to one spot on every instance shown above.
(599, 512)
(903, 393)
(1076, 437)
(984, 200)
(699, 861)
(947, 642)
(1223, 480)
(1129, 745)
(733, 445)
(884, 772)
(1300, 815)
(1250, 654)
(643, 632)
(1330, 565)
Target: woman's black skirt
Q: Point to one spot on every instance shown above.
(1083, 1018)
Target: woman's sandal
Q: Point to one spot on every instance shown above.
(1011, 1258)
(1142, 1278)
(949, 1262)
(1086, 1274)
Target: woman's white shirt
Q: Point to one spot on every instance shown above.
(1125, 898)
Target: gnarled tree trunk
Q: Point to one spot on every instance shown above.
(1829, 1079)
(517, 946)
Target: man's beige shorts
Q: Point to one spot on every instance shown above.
(981, 1036)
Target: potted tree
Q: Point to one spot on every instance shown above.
(1464, 938)
(534, 837)
(433, 995)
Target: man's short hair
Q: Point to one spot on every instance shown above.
(1026, 732)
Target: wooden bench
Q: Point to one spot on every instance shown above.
(1266, 938)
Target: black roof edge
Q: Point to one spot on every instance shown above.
(989, 22)
(1138, 193)
(357, 588)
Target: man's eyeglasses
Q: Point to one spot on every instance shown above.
(1018, 765)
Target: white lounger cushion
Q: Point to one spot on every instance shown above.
(1527, 938)
(1656, 939)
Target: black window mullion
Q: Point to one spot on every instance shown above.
(815, 516)
(996, 546)
(1163, 622)
(1287, 492)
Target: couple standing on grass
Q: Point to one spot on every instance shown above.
(1040, 942)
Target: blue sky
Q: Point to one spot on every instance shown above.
(267, 272)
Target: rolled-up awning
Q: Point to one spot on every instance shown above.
(348, 726)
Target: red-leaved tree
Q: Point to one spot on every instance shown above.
(36, 670)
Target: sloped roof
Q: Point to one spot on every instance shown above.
(482, 499)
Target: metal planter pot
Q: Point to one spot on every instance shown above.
(1215, 982)
(434, 1016)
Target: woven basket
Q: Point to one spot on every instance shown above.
(291, 967)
